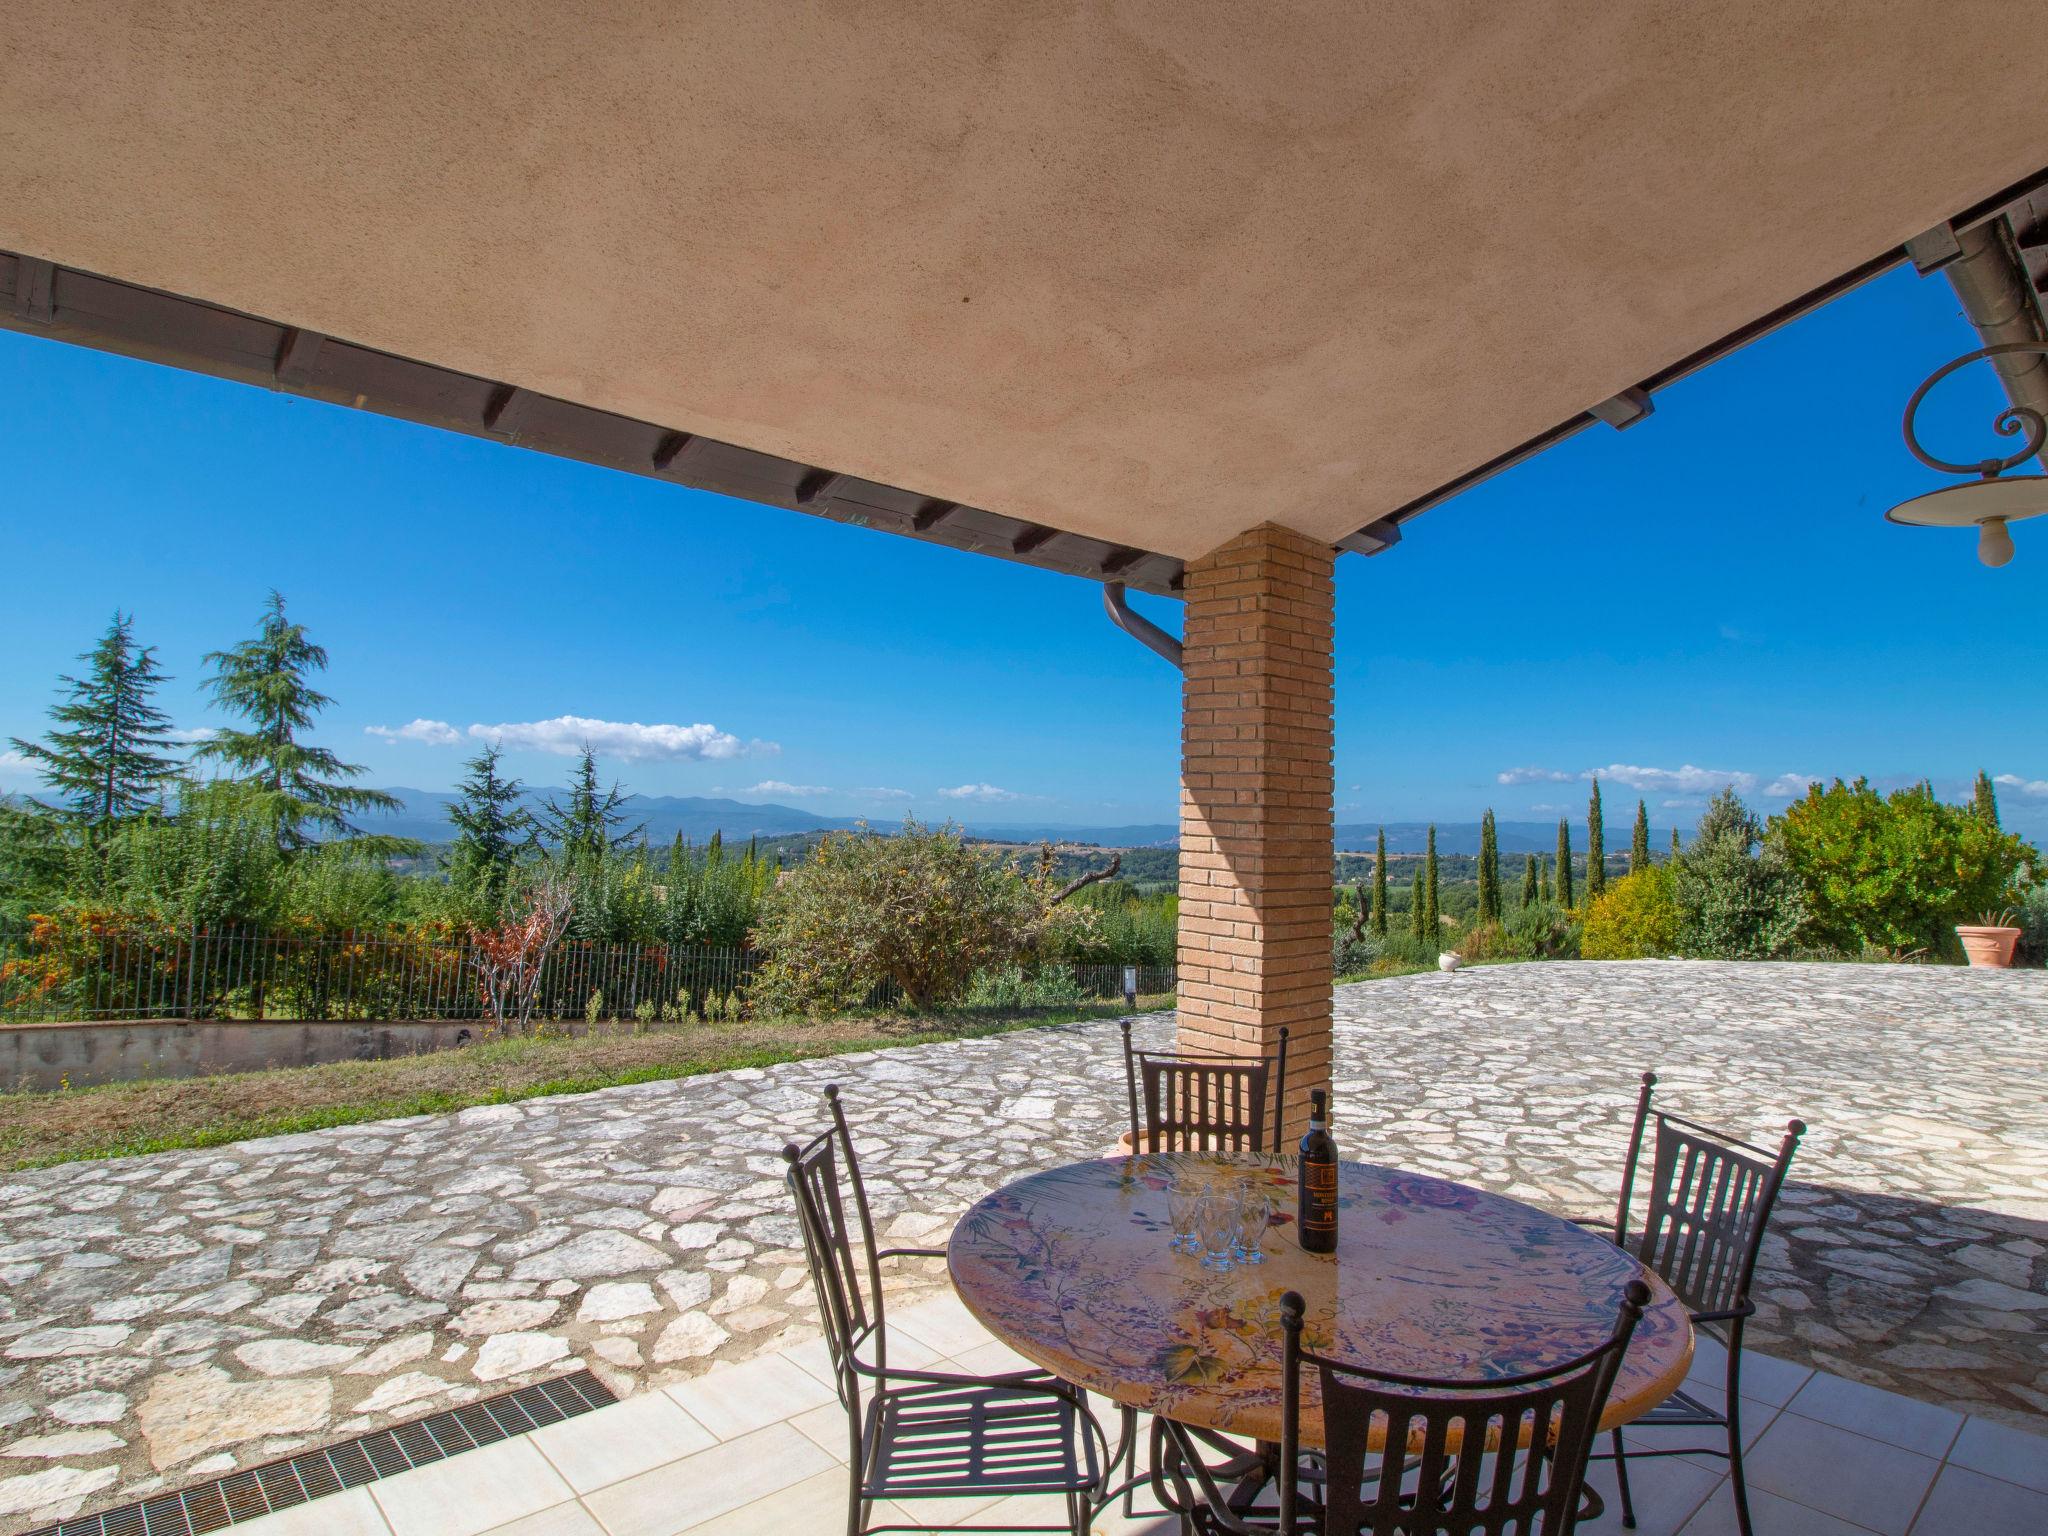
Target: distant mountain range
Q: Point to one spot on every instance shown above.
(696, 817)
(424, 815)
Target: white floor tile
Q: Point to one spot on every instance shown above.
(1666, 1490)
(904, 1351)
(1848, 1475)
(817, 1504)
(353, 1513)
(740, 1399)
(1902, 1421)
(995, 1358)
(944, 1323)
(471, 1493)
(1983, 1506)
(711, 1483)
(2001, 1451)
(826, 1428)
(562, 1520)
(1770, 1515)
(621, 1441)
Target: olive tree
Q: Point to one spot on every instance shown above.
(921, 908)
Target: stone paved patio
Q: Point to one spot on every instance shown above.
(165, 1318)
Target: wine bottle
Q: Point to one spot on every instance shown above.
(1316, 1214)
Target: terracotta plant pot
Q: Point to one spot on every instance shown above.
(1988, 946)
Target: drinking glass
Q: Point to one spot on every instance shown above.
(1254, 1212)
(1182, 1196)
(1216, 1228)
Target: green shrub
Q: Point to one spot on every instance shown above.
(1895, 872)
(1543, 931)
(2032, 917)
(1737, 897)
(1017, 986)
(922, 909)
(1637, 916)
(1488, 941)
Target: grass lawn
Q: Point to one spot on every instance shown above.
(121, 1119)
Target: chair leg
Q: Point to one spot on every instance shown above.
(1735, 1476)
(1628, 1509)
(1127, 1442)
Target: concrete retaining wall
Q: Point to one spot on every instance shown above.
(47, 1056)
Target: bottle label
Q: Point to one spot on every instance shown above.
(1320, 1180)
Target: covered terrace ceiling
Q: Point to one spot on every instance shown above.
(1093, 285)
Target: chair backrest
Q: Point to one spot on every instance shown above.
(832, 1213)
(1196, 1102)
(1710, 1198)
(1430, 1471)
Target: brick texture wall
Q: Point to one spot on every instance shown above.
(1256, 862)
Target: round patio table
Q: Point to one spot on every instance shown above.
(1073, 1269)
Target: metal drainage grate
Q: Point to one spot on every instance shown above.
(256, 1491)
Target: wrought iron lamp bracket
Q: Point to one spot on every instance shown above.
(2013, 420)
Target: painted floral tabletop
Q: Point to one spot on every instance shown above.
(1073, 1269)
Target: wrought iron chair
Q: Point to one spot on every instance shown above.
(1196, 1102)
(1710, 1199)
(926, 1434)
(1471, 1457)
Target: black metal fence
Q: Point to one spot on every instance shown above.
(112, 972)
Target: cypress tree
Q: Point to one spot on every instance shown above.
(1417, 905)
(263, 680)
(1379, 886)
(104, 755)
(1639, 845)
(490, 829)
(1489, 871)
(1564, 863)
(1676, 849)
(1985, 800)
(1532, 881)
(1596, 846)
(1433, 914)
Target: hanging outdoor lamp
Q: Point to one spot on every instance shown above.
(1995, 498)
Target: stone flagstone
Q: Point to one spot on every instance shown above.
(219, 1307)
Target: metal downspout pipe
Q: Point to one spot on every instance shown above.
(1991, 283)
(1137, 626)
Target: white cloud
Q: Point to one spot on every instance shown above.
(796, 791)
(880, 792)
(14, 765)
(1685, 780)
(986, 793)
(1533, 776)
(192, 733)
(568, 735)
(1790, 786)
(2004, 781)
(432, 733)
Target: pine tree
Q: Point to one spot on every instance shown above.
(104, 755)
(1432, 917)
(490, 829)
(1639, 845)
(1532, 881)
(1985, 800)
(1489, 870)
(581, 831)
(1596, 846)
(1564, 863)
(1379, 886)
(1418, 906)
(264, 681)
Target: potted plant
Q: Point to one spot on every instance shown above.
(1989, 941)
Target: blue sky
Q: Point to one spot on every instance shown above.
(1712, 594)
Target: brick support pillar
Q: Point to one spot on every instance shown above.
(1256, 857)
